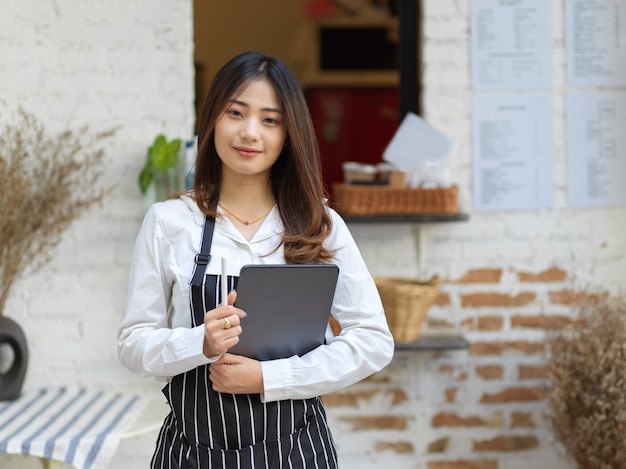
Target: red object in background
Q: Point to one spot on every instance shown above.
(319, 9)
(352, 124)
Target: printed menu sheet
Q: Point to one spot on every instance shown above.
(596, 42)
(512, 151)
(511, 44)
(596, 149)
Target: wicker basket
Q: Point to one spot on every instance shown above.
(387, 200)
(406, 304)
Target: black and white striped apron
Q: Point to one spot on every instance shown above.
(208, 429)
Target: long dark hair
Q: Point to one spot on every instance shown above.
(295, 177)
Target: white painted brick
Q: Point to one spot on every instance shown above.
(118, 63)
(115, 63)
(131, 64)
(447, 8)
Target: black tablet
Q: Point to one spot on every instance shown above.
(288, 308)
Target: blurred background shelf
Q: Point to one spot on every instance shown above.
(435, 343)
(407, 218)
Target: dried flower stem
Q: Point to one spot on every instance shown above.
(47, 182)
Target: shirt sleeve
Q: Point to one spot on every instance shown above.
(147, 343)
(364, 346)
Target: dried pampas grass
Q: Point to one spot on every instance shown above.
(46, 182)
(587, 394)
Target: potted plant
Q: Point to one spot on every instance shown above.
(159, 172)
(587, 392)
(47, 183)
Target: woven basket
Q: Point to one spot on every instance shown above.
(387, 200)
(406, 304)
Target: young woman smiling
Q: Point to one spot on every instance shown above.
(258, 191)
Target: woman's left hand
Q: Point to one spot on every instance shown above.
(235, 374)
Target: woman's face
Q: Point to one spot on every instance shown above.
(250, 133)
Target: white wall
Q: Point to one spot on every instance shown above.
(537, 254)
(130, 63)
(585, 242)
(106, 64)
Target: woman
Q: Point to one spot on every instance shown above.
(258, 179)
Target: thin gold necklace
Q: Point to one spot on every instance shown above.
(245, 222)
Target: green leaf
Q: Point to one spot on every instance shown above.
(145, 178)
(163, 154)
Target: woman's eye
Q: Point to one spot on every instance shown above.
(234, 112)
(271, 120)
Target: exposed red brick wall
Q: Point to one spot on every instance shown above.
(474, 300)
(499, 348)
(443, 299)
(532, 372)
(377, 422)
(453, 420)
(400, 447)
(352, 398)
(469, 398)
(507, 443)
(541, 321)
(463, 464)
(439, 446)
(522, 420)
(490, 323)
(490, 371)
(450, 394)
(569, 297)
(514, 394)
(551, 275)
(481, 276)
(440, 324)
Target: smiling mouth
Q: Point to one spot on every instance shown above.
(247, 152)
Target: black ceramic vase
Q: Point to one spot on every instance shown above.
(11, 381)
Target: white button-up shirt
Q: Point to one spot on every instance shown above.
(156, 337)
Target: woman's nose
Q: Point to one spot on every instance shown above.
(249, 130)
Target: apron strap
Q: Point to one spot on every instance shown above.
(204, 256)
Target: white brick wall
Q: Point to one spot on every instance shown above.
(106, 64)
(585, 243)
(586, 240)
(129, 64)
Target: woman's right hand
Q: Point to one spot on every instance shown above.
(222, 327)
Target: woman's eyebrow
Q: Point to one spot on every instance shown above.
(266, 109)
(272, 109)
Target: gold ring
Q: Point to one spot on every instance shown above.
(227, 324)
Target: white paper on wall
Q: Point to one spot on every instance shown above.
(596, 42)
(596, 149)
(511, 44)
(512, 151)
